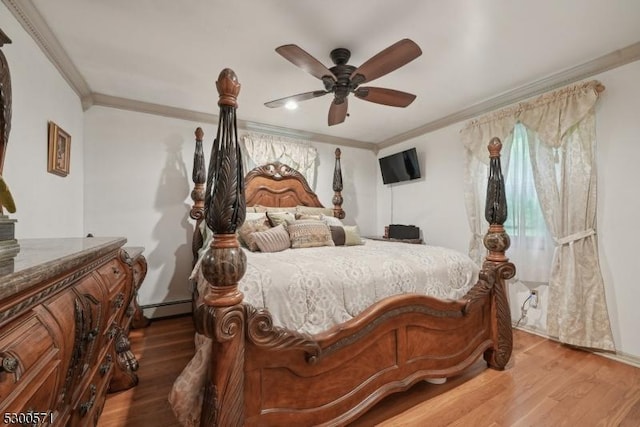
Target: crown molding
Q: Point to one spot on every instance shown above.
(588, 69)
(28, 16)
(102, 100)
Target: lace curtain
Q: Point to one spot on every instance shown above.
(261, 149)
(560, 129)
(532, 246)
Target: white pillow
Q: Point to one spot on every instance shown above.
(332, 221)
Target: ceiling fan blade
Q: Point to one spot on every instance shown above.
(392, 58)
(302, 59)
(338, 111)
(296, 98)
(379, 95)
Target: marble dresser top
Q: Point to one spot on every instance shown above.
(42, 259)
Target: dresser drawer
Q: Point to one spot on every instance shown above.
(26, 349)
(113, 274)
(36, 402)
(89, 406)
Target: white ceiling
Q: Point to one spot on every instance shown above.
(170, 52)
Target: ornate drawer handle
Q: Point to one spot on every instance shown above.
(112, 332)
(104, 368)
(115, 271)
(86, 407)
(10, 365)
(119, 300)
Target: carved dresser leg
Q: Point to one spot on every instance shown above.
(124, 376)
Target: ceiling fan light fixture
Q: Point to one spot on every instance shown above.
(291, 105)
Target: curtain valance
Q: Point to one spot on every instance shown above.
(262, 149)
(550, 115)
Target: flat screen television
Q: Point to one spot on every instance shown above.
(402, 166)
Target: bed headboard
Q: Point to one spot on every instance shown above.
(271, 185)
(278, 185)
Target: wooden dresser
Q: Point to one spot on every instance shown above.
(65, 313)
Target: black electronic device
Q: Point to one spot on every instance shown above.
(402, 166)
(398, 231)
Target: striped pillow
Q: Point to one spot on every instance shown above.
(309, 234)
(275, 239)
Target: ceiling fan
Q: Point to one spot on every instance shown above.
(343, 79)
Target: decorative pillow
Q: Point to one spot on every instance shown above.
(277, 218)
(309, 210)
(308, 216)
(248, 229)
(309, 234)
(338, 235)
(332, 220)
(352, 235)
(289, 209)
(275, 239)
(255, 215)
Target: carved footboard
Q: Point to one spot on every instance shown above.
(266, 375)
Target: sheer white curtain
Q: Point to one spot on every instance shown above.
(560, 130)
(532, 246)
(262, 149)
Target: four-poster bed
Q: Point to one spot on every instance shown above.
(261, 373)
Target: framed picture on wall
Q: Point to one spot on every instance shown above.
(59, 150)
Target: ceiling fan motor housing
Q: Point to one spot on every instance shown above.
(343, 86)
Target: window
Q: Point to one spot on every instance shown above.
(531, 243)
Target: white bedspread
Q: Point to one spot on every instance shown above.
(313, 289)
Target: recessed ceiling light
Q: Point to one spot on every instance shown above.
(291, 105)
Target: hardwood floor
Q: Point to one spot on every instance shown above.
(162, 350)
(545, 384)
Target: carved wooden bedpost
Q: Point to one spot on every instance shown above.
(5, 126)
(198, 176)
(337, 188)
(5, 102)
(222, 316)
(497, 242)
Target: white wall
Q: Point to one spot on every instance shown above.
(138, 185)
(47, 205)
(435, 203)
(359, 192)
(618, 133)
